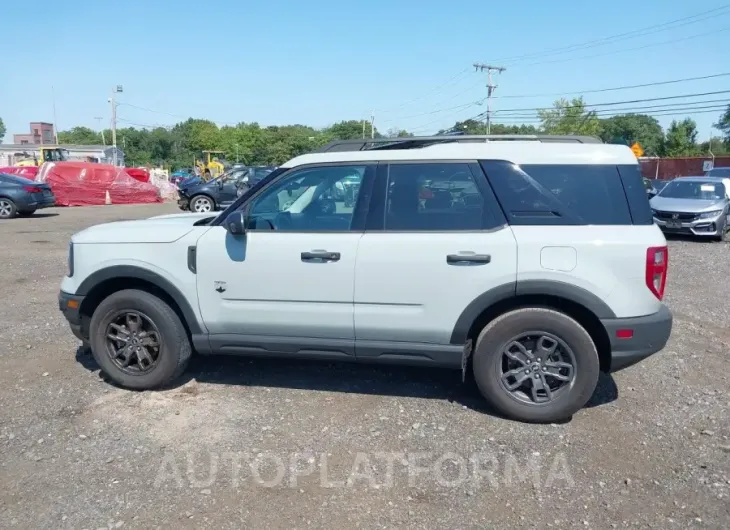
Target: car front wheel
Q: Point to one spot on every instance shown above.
(536, 365)
(202, 204)
(138, 340)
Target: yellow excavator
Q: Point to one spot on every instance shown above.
(47, 154)
(214, 162)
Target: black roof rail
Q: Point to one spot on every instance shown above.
(415, 142)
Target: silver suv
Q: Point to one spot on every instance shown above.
(697, 206)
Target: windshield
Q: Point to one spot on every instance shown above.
(693, 189)
(718, 172)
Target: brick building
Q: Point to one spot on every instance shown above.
(41, 133)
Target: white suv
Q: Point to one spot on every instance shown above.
(531, 261)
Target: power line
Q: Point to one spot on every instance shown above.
(626, 102)
(618, 112)
(613, 89)
(621, 36)
(436, 89)
(624, 50)
(667, 106)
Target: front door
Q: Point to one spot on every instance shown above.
(228, 191)
(286, 286)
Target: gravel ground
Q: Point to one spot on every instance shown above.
(276, 444)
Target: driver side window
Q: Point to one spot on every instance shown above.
(308, 200)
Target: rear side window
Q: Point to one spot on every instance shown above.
(433, 197)
(537, 194)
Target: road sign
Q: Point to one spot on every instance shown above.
(638, 151)
(707, 165)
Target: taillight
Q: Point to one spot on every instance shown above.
(32, 189)
(657, 259)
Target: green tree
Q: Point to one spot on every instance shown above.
(681, 139)
(395, 132)
(2, 130)
(472, 126)
(349, 130)
(723, 125)
(630, 128)
(80, 136)
(569, 117)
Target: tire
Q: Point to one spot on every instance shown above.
(174, 351)
(26, 213)
(489, 365)
(724, 234)
(202, 204)
(8, 210)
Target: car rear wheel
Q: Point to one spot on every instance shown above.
(202, 204)
(536, 365)
(138, 340)
(8, 210)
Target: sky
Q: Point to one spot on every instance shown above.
(407, 63)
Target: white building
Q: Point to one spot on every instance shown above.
(10, 154)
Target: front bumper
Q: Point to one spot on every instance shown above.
(649, 334)
(70, 306)
(712, 227)
(183, 203)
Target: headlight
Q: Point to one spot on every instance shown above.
(710, 215)
(70, 259)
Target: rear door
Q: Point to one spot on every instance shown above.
(436, 240)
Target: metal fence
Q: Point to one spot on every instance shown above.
(669, 168)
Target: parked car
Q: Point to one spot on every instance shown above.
(495, 271)
(20, 196)
(720, 172)
(696, 206)
(179, 176)
(255, 174)
(658, 184)
(199, 196)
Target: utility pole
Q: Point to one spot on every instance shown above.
(372, 124)
(117, 90)
(479, 67)
(55, 121)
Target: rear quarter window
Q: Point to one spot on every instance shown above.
(542, 194)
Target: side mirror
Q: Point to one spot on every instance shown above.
(236, 223)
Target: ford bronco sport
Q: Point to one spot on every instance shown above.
(532, 262)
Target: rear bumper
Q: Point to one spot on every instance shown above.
(36, 204)
(70, 306)
(650, 334)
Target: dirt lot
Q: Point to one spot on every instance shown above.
(278, 444)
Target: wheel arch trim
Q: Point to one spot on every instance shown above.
(139, 273)
(487, 299)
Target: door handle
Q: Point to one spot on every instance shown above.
(320, 255)
(468, 258)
